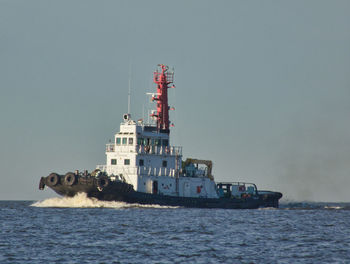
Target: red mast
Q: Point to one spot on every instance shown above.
(162, 79)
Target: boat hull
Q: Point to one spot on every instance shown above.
(121, 191)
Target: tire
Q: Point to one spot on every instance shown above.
(102, 183)
(69, 179)
(53, 179)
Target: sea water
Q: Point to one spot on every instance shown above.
(83, 230)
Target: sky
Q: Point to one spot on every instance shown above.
(262, 88)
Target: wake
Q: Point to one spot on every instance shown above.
(82, 201)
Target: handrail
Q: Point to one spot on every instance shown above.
(159, 150)
(154, 171)
(235, 183)
(146, 149)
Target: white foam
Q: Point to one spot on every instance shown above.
(333, 207)
(82, 201)
(267, 208)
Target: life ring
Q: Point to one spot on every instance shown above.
(102, 183)
(52, 179)
(69, 179)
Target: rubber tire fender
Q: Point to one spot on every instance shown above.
(102, 183)
(69, 179)
(53, 179)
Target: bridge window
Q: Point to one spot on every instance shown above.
(157, 142)
(165, 142)
(127, 162)
(118, 141)
(113, 162)
(165, 163)
(140, 141)
(124, 141)
(131, 140)
(141, 162)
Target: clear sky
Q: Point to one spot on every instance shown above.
(262, 88)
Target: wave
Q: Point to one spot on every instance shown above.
(334, 207)
(314, 206)
(82, 201)
(268, 208)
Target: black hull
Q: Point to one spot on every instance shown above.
(121, 191)
(269, 199)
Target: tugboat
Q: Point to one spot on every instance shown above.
(143, 167)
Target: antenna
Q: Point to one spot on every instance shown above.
(129, 92)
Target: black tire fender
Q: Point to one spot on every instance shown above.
(69, 179)
(53, 179)
(102, 183)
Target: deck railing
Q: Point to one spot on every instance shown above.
(156, 171)
(159, 150)
(142, 149)
(142, 170)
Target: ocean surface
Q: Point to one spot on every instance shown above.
(83, 230)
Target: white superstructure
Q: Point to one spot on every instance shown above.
(141, 154)
(144, 158)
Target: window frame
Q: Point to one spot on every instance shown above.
(140, 141)
(124, 141)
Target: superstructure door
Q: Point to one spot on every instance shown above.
(187, 189)
(155, 187)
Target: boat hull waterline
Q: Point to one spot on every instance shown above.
(107, 190)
